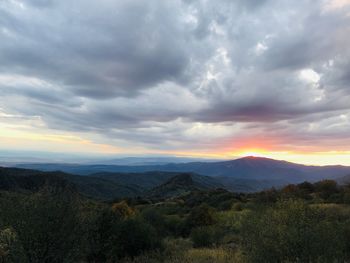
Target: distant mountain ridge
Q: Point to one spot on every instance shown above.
(254, 173)
(32, 181)
(136, 161)
(102, 182)
(103, 186)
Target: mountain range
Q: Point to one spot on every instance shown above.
(243, 175)
(105, 186)
(108, 182)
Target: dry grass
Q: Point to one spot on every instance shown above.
(208, 255)
(202, 255)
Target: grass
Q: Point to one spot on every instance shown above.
(193, 255)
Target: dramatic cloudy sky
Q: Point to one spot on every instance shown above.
(181, 77)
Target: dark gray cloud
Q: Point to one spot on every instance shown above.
(96, 50)
(172, 74)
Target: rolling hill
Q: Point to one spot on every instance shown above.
(181, 184)
(102, 186)
(244, 174)
(31, 181)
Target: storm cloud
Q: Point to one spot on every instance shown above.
(190, 74)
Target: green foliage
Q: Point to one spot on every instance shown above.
(218, 198)
(267, 196)
(346, 198)
(237, 207)
(209, 255)
(197, 255)
(113, 237)
(46, 226)
(133, 236)
(10, 248)
(123, 210)
(177, 246)
(292, 231)
(326, 188)
(202, 215)
(48, 220)
(206, 236)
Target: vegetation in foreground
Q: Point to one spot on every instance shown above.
(299, 223)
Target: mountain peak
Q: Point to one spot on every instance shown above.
(252, 157)
(259, 159)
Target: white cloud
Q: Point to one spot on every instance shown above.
(310, 76)
(260, 48)
(331, 5)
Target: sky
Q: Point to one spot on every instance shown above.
(197, 78)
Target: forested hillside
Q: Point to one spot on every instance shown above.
(46, 217)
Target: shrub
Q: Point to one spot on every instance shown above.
(292, 231)
(206, 236)
(123, 210)
(326, 188)
(203, 215)
(237, 207)
(10, 248)
(133, 237)
(176, 247)
(206, 255)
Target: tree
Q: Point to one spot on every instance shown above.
(326, 188)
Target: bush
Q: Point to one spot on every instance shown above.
(46, 226)
(10, 248)
(346, 198)
(206, 236)
(292, 231)
(237, 207)
(112, 238)
(123, 210)
(176, 247)
(203, 215)
(326, 188)
(206, 255)
(133, 237)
